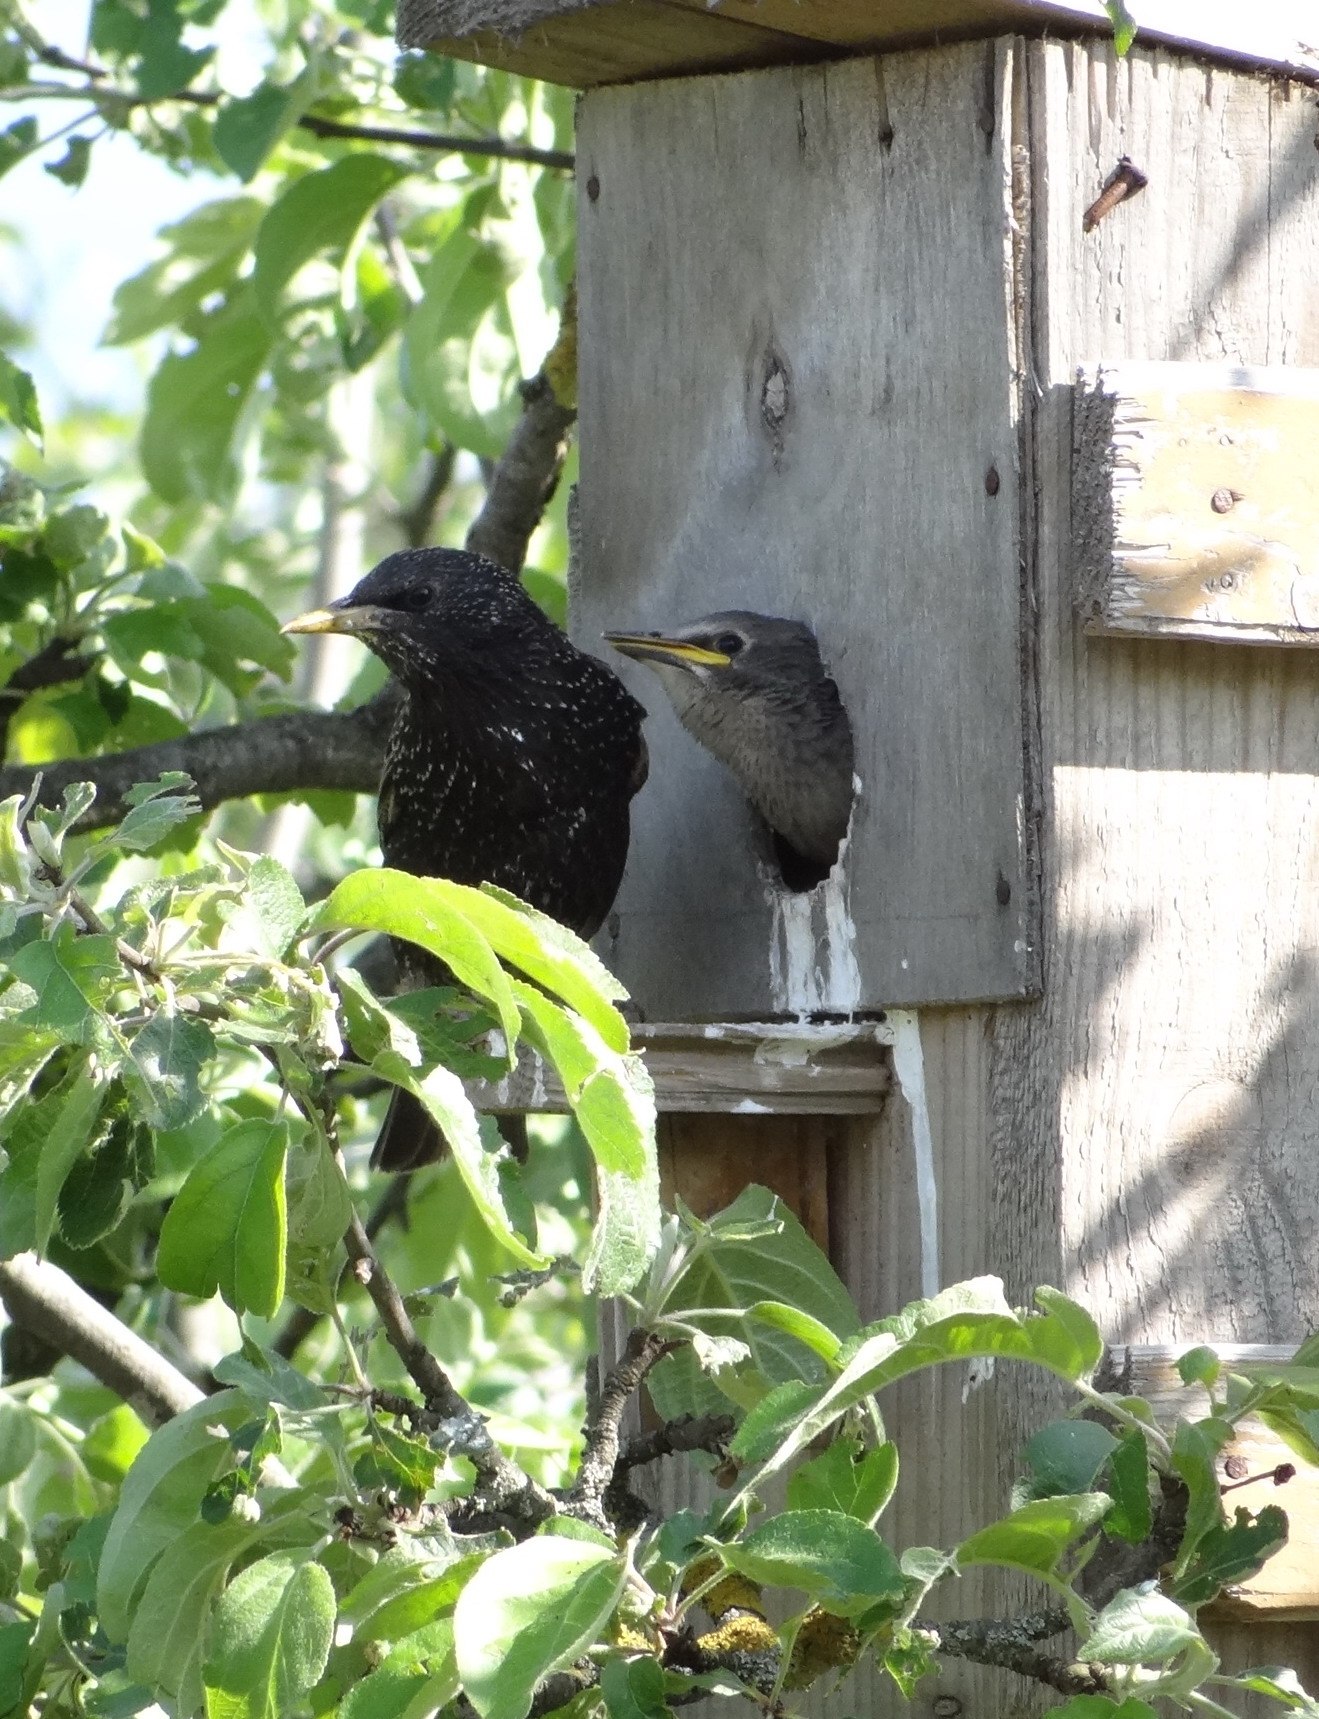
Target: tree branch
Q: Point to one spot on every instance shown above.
(46, 1301)
(306, 749)
(55, 663)
(1010, 1644)
(675, 1437)
(497, 148)
(528, 470)
(502, 1483)
(600, 1457)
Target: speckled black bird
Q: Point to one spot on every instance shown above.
(512, 760)
(754, 692)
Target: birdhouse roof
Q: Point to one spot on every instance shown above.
(587, 42)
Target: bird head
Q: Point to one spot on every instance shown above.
(423, 610)
(733, 654)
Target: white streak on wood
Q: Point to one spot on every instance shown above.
(909, 1069)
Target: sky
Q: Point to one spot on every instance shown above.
(77, 245)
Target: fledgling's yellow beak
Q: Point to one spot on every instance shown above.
(680, 651)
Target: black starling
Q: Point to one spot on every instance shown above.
(753, 690)
(512, 760)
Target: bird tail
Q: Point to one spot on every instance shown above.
(408, 1137)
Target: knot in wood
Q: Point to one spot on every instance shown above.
(946, 1707)
(774, 400)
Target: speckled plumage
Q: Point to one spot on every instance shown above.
(513, 758)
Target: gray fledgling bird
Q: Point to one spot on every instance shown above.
(513, 758)
(754, 692)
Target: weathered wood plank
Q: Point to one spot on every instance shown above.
(1287, 1588)
(585, 43)
(1155, 1118)
(782, 1069)
(873, 496)
(1194, 507)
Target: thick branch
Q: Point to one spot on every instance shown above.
(685, 1433)
(271, 755)
(46, 1301)
(600, 1457)
(525, 477)
(1011, 1644)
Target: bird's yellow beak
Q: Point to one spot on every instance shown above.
(365, 618)
(653, 646)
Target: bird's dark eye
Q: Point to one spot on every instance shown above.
(416, 597)
(729, 643)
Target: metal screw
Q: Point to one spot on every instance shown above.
(1227, 581)
(946, 1706)
(1236, 1468)
(992, 481)
(593, 187)
(1224, 500)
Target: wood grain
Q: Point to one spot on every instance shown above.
(748, 1069)
(876, 501)
(1194, 508)
(585, 44)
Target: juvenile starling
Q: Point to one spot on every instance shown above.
(753, 690)
(512, 760)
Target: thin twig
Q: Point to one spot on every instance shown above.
(685, 1433)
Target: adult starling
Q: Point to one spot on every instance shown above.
(512, 760)
(753, 690)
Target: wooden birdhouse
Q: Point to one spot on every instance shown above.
(939, 326)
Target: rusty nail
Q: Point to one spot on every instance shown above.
(1224, 500)
(992, 481)
(1124, 181)
(946, 1706)
(593, 187)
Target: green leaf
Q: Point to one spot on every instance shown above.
(1231, 1554)
(270, 1638)
(422, 910)
(633, 1688)
(1101, 1707)
(1281, 1684)
(967, 1320)
(205, 251)
(160, 1498)
(1034, 1537)
(421, 1602)
(18, 394)
(461, 325)
(626, 1233)
(16, 142)
(72, 975)
(322, 211)
(247, 129)
(1139, 1626)
(166, 1640)
(845, 1477)
(226, 1229)
(772, 1419)
(611, 1096)
(278, 902)
(550, 954)
(1199, 1367)
(1195, 1449)
(163, 1069)
(155, 808)
(99, 1188)
(18, 1441)
(1065, 1457)
(530, 1610)
(474, 1145)
(196, 400)
(840, 1563)
(756, 1252)
(812, 1332)
(79, 1111)
(14, 1641)
(1124, 25)
(1131, 1517)
(72, 166)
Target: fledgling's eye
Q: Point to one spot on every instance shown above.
(729, 643)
